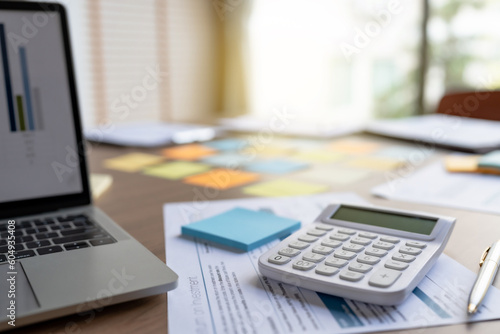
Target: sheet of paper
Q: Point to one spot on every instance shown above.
(333, 174)
(221, 291)
(434, 185)
(222, 178)
(132, 162)
(176, 170)
(284, 187)
(151, 134)
(463, 132)
(188, 152)
(275, 166)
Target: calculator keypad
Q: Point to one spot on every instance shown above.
(355, 252)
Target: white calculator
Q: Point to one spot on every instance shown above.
(367, 253)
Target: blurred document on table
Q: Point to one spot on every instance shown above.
(151, 134)
(222, 291)
(468, 134)
(434, 185)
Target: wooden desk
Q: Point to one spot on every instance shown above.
(135, 202)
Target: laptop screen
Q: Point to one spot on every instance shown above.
(39, 126)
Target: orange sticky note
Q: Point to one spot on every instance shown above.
(354, 146)
(222, 178)
(188, 152)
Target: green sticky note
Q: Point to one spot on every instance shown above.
(284, 187)
(490, 160)
(242, 228)
(176, 170)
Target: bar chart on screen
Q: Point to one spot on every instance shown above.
(37, 133)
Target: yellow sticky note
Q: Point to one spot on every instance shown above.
(222, 178)
(352, 146)
(461, 164)
(333, 174)
(132, 162)
(188, 152)
(373, 163)
(318, 156)
(284, 187)
(176, 170)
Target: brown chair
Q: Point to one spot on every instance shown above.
(479, 104)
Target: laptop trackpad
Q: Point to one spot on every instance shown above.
(25, 300)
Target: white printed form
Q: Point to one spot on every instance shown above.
(222, 291)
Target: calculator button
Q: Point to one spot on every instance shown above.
(330, 243)
(367, 235)
(403, 257)
(307, 238)
(324, 227)
(368, 259)
(303, 265)
(375, 252)
(316, 232)
(351, 276)
(353, 248)
(384, 278)
(383, 245)
(289, 252)
(313, 257)
(360, 267)
(361, 241)
(326, 270)
(342, 254)
(398, 265)
(392, 240)
(338, 236)
(346, 231)
(335, 262)
(322, 250)
(278, 259)
(416, 244)
(298, 245)
(410, 250)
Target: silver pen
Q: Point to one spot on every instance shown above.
(489, 263)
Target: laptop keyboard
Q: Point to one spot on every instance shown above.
(53, 235)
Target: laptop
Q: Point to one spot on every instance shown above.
(68, 256)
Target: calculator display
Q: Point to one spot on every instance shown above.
(413, 224)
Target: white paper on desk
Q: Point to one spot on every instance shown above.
(436, 186)
(151, 134)
(221, 291)
(468, 133)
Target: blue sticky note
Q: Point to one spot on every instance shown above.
(227, 144)
(242, 228)
(275, 166)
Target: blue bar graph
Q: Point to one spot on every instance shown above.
(27, 90)
(8, 83)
